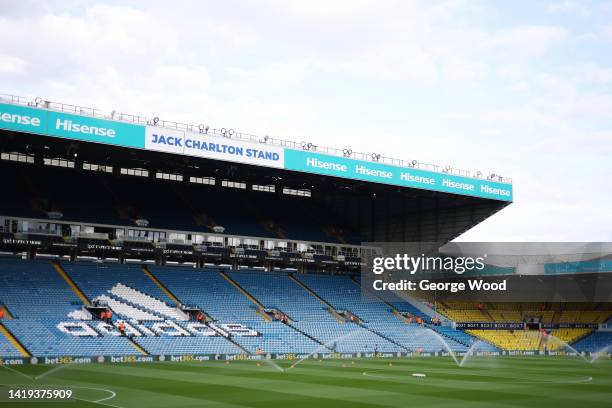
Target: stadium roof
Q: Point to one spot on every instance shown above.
(432, 208)
(86, 124)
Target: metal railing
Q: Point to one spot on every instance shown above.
(199, 238)
(232, 134)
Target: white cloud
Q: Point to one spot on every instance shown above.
(328, 10)
(602, 33)
(526, 41)
(392, 62)
(10, 65)
(567, 6)
(438, 82)
(590, 72)
(605, 32)
(272, 76)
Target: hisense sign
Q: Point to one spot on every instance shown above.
(92, 129)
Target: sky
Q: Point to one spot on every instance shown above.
(522, 89)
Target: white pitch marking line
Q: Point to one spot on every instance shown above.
(99, 403)
(113, 393)
(525, 380)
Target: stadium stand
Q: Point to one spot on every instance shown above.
(560, 338)
(555, 313)
(97, 279)
(23, 283)
(42, 338)
(324, 313)
(237, 216)
(209, 291)
(509, 339)
(120, 200)
(277, 291)
(171, 345)
(7, 348)
(344, 294)
(462, 315)
(462, 337)
(463, 312)
(557, 339)
(598, 341)
(583, 316)
(310, 315)
(519, 312)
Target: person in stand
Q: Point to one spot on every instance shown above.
(200, 317)
(1, 313)
(103, 316)
(109, 316)
(122, 328)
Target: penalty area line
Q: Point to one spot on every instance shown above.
(98, 402)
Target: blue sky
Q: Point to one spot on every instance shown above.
(522, 89)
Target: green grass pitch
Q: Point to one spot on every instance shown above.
(483, 382)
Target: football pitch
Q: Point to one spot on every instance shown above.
(481, 382)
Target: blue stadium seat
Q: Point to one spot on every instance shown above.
(598, 341)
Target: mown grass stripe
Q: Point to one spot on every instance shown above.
(496, 382)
